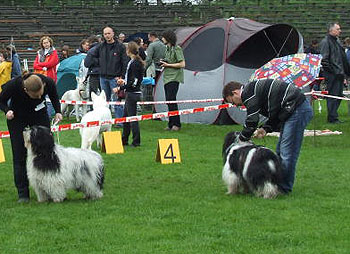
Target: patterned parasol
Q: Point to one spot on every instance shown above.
(300, 69)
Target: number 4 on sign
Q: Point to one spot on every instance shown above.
(168, 151)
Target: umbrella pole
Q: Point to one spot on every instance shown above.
(314, 119)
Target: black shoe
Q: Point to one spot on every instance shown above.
(23, 200)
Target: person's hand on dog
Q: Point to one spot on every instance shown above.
(10, 115)
(260, 133)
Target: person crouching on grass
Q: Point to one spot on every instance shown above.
(132, 85)
(288, 111)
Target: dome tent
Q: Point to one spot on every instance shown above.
(67, 72)
(226, 50)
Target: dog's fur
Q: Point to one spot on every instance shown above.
(100, 112)
(78, 94)
(250, 168)
(53, 169)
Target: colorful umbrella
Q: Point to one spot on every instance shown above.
(300, 69)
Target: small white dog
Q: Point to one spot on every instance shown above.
(53, 169)
(100, 112)
(78, 94)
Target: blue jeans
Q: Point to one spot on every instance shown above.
(290, 141)
(50, 109)
(107, 85)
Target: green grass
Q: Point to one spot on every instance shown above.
(182, 208)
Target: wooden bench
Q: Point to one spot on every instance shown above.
(18, 21)
(56, 34)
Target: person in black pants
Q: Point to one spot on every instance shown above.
(26, 107)
(134, 75)
(173, 75)
(94, 69)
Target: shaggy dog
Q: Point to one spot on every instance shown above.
(100, 112)
(250, 168)
(53, 169)
(78, 94)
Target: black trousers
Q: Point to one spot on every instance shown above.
(130, 109)
(94, 84)
(335, 84)
(158, 73)
(19, 152)
(171, 89)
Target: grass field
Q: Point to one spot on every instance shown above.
(182, 208)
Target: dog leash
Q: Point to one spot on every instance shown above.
(54, 124)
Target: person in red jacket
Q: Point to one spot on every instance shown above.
(47, 59)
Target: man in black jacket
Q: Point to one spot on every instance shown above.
(287, 110)
(93, 66)
(27, 107)
(112, 60)
(335, 67)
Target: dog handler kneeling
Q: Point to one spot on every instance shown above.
(26, 107)
(288, 111)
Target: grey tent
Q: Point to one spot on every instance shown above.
(225, 50)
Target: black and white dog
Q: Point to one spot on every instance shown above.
(53, 169)
(250, 168)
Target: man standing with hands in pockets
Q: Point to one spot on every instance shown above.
(112, 59)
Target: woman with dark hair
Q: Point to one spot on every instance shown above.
(84, 47)
(132, 86)
(139, 42)
(64, 54)
(173, 75)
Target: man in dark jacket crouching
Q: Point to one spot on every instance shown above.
(287, 110)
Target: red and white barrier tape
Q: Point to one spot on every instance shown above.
(73, 126)
(316, 92)
(331, 96)
(142, 102)
(6, 134)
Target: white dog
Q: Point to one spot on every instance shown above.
(78, 94)
(53, 169)
(100, 112)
